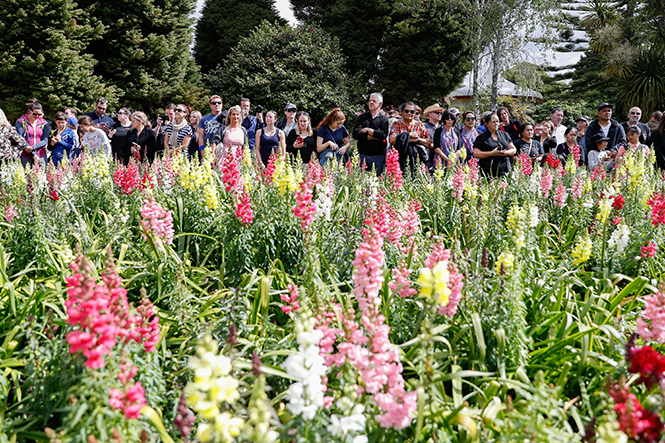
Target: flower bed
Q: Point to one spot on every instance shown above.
(175, 302)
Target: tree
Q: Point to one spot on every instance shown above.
(277, 64)
(417, 64)
(40, 56)
(223, 23)
(143, 50)
(361, 28)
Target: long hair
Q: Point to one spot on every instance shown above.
(309, 122)
(228, 115)
(3, 119)
(333, 116)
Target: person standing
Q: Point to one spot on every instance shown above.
(161, 123)
(99, 117)
(559, 130)
(142, 140)
(269, 139)
(193, 150)
(301, 141)
(527, 145)
(251, 123)
(656, 117)
(179, 132)
(289, 120)
(35, 130)
(493, 149)
(207, 127)
(371, 131)
(62, 139)
(118, 136)
(564, 150)
(332, 138)
(414, 134)
(447, 140)
(433, 116)
(607, 126)
(634, 116)
(11, 143)
(94, 140)
(506, 124)
(469, 132)
(658, 140)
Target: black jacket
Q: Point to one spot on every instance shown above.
(617, 136)
(658, 140)
(380, 126)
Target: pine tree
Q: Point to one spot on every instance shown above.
(223, 23)
(143, 50)
(40, 56)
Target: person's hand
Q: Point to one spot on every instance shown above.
(332, 146)
(159, 121)
(28, 149)
(343, 149)
(364, 130)
(259, 117)
(112, 133)
(298, 143)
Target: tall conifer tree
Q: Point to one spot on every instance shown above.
(223, 23)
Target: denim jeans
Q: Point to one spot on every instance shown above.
(377, 162)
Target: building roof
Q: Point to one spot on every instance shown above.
(506, 88)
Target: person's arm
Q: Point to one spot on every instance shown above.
(44, 141)
(320, 144)
(201, 138)
(291, 141)
(106, 144)
(358, 130)
(512, 150)
(20, 145)
(167, 136)
(347, 144)
(257, 141)
(381, 132)
(282, 140)
(185, 142)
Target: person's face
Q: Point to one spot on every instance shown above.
(303, 122)
(408, 113)
(605, 113)
(290, 113)
(374, 105)
(493, 124)
(101, 108)
(193, 120)
(449, 121)
(123, 117)
(136, 123)
(557, 117)
(69, 113)
(417, 115)
(270, 118)
(244, 107)
(435, 117)
(216, 106)
(180, 112)
(635, 114)
(582, 125)
(571, 137)
(86, 128)
(503, 115)
(62, 124)
(35, 114)
(528, 132)
(170, 113)
(234, 117)
(469, 121)
(633, 137)
(602, 145)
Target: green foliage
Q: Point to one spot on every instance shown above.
(571, 110)
(417, 64)
(144, 51)
(223, 23)
(41, 46)
(277, 64)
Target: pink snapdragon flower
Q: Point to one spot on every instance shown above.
(157, 220)
(244, 211)
(393, 170)
(11, 213)
(458, 184)
(474, 171)
(527, 165)
(649, 250)
(546, 182)
(230, 174)
(305, 209)
(402, 285)
(127, 178)
(651, 325)
(132, 398)
(560, 196)
(657, 204)
(578, 188)
(291, 299)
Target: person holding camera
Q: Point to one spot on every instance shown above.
(332, 138)
(493, 148)
(289, 122)
(99, 117)
(161, 123)
(301, 141)
(251, 123)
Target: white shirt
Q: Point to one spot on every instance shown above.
(559, 136)
(605, 129)
(96, 142)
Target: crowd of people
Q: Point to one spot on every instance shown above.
(435, 136)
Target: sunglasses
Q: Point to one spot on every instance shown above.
(215, 103)
(103, 108)
(409, 111)
(437, 112)
(470, 119)
(291, 110)
(635, 113)
(179, 110)
(37, 114)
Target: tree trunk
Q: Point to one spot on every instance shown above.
(496, 66)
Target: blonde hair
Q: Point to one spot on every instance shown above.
(228, 116)
(196, 114)
(309, 123)
(140, 116)
(3, 119)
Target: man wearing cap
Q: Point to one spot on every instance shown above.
(607, 126)
(634, 116)
(289, 121)
(371, 131)
(433, 116)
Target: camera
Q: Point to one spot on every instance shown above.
(257, 110)
(164, 117)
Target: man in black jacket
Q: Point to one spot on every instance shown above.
(606, 125)
(371, 131)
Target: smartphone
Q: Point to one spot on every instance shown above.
(299, 140)
(538, 130)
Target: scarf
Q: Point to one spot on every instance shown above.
(175, 130)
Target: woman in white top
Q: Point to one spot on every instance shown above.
(94, 139)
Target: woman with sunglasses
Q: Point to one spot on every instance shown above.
(447, 139)
(35, 130)
(469, 132)
(301, 141)
(179, 132)
(119, 134)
